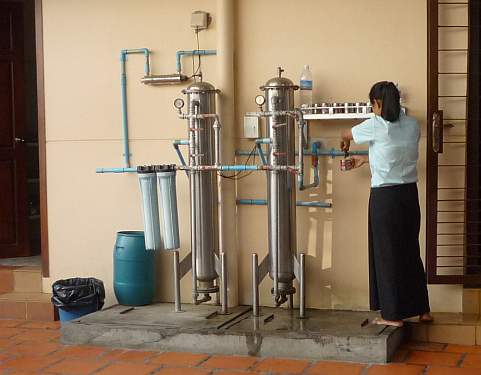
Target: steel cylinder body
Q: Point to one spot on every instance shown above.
(281, 187)
(203, 185)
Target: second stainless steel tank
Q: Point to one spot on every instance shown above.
(203, 185)
(281, 187)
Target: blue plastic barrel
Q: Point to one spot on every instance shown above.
(134, 269)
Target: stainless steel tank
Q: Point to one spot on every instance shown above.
(281, 186)
(203, 186)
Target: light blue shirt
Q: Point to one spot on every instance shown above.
(393, 149)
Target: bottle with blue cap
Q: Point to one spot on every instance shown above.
(305, 85)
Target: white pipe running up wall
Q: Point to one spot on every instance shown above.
(226, 192)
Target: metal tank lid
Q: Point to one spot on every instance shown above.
(199, 87)
(279, 82)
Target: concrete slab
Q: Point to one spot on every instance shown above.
(325, 334)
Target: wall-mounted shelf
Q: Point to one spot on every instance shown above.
(338, 116)
(340, 111)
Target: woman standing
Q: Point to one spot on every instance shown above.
(397, 282)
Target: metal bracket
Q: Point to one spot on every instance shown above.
(185, 265)
(296, 267)
(264, 268)
(217, 264)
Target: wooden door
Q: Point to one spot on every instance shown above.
(453, 254)
(13, 181)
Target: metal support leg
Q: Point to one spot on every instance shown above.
(223, 271)
(255, 285)
(193, 239)
(302, 286)
(291, 301)
(178, 307)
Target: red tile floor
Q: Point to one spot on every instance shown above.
(34, 347)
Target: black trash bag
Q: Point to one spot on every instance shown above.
(78, 292)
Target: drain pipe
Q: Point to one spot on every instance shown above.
(315, 165)
(300, 163)
(123, 87)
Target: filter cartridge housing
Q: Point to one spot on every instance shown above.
(150, 208)
(168, 214)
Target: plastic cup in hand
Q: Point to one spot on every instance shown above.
(347, 164)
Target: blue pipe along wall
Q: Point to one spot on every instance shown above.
(123, 86)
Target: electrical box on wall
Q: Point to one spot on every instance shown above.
(251, 127)
(200, 20)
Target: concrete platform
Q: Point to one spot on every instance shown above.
(325, 334)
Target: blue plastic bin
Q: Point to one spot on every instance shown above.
(77, 297)
(66, 315)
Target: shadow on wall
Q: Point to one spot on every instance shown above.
(315, 231)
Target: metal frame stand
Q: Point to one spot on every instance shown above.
(181, 268)
(261, 271)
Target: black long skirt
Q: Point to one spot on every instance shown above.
(397, 281)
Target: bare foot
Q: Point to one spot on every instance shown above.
(393, 323)
(426, 318)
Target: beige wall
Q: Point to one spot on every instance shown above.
(349, 45)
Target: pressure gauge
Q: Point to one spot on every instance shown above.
(179, 103)
(260, 100)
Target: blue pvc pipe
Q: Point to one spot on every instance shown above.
(263, 202)
(314, 204)
(176, 144)
(261, 153)
(196, 52)
(239, 167)
(125, 120)
(132, 51)
(321, 152)
(222, 168)
(252, 202)
(123, 88)
(116, 170)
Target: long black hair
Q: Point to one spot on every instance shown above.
(388, 93)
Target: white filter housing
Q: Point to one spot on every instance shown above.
(169, 221)
(150, 208)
